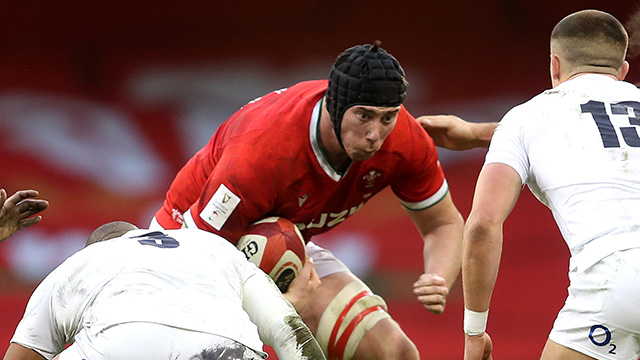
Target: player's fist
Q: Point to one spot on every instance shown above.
(302, 286)
(478, 347)
(431, 291)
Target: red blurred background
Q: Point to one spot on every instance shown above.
(102, 102)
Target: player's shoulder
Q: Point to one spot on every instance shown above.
(277, 114)
(541, 102)
(278, 125)
(407, 147)
(284, 100)
(407, 128)
(311, 86)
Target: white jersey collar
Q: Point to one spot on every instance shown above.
(314, 137)
(585, 78)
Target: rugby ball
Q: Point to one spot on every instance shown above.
(276, 246)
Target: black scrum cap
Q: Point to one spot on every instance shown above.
(364, 75)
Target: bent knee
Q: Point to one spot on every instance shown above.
(357, 319)
(386, 340)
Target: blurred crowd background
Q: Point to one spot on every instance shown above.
(101, 103)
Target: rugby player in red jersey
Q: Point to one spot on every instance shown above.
(314, 153)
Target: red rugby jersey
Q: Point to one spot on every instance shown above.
(265, 160)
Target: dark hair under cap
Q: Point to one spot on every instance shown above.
(363, 75)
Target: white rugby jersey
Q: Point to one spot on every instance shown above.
(183, 278)
(577, 147)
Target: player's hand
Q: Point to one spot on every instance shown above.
(478, 347)
(302, 286)
(431, 290)
(449, 131)
(16, 212)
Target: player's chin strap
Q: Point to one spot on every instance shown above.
(347, 319)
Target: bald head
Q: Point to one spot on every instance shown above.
(590, 41)
(110, 230)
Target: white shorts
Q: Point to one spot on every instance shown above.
(142, 341)
(601, 316)
(324, 261)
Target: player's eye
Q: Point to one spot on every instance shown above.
(387, 119)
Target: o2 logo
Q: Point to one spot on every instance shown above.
(596, 337)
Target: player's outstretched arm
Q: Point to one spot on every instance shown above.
(16, 211)
(279, 325)
(453, 133)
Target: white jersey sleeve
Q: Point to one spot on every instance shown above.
(280, 326)
(39, 329)
(507, 144)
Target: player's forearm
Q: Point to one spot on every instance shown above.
(483, 132)
(442, 252)
(480, 263)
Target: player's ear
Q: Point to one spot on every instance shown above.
(624, 70)
(554, 67)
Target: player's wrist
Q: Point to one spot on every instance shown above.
(482, 134)
(475, 323)
(294, 300)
